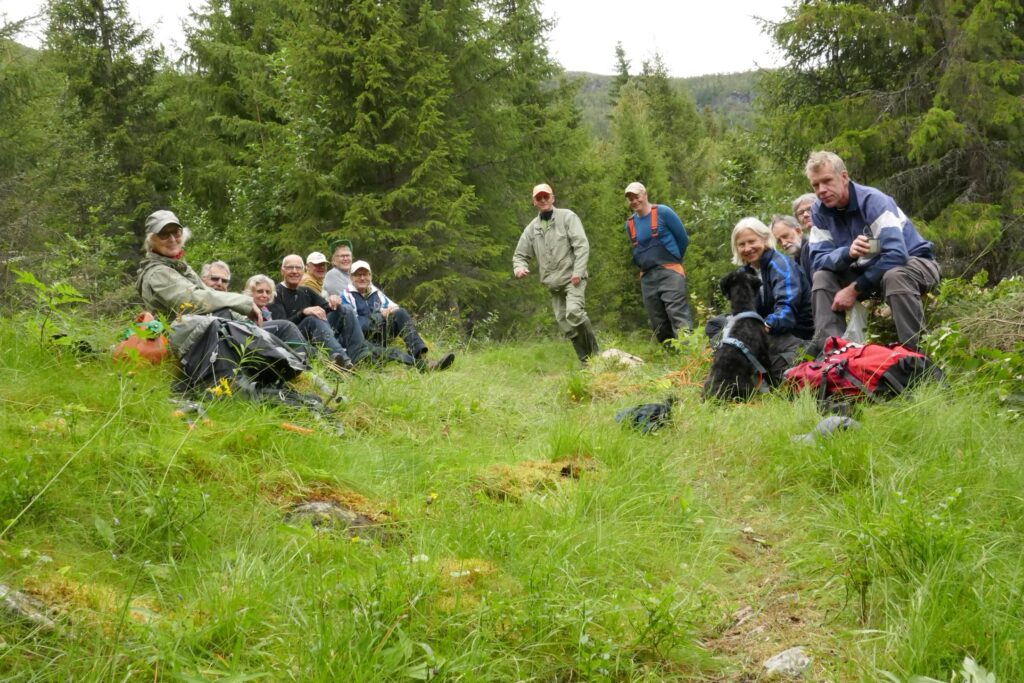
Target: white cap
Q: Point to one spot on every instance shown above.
(360, 265)
(636, 188)
(316, 258)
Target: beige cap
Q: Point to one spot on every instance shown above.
(636, 188)
(158, 220)
(360, 265)
(543, 187)
(316, 258)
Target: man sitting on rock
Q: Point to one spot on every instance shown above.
(381, 320)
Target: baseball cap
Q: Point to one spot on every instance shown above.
(360, 265)
(158, 220)
(543, 187)
(316, 258)
(635, 188)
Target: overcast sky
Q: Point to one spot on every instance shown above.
(693, 38)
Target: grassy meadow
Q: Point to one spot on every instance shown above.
(518, 533)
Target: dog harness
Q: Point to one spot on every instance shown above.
(727, 338)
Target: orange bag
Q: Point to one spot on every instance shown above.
(144, 339)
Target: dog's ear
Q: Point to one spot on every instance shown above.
(726, 283)
(752, 279)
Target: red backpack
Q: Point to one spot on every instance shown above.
(851, 370)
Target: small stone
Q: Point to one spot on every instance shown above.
(791, 663)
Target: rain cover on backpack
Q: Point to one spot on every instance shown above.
(852, 370)
(217, 348)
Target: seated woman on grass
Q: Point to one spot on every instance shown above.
(170, 287)
(784, 300)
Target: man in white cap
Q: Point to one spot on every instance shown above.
(381, 319)
(659, 241)
(316, 268)
(557, 240)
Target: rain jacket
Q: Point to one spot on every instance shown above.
(784, 300)
(875, 214)
(169, 286)
(559, 245)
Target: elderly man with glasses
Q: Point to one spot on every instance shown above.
(216, 275)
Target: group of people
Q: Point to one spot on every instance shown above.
(339, 311)
(845, 243)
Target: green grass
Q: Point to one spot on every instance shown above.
(895, 548)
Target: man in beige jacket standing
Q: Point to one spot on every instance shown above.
(556, 239)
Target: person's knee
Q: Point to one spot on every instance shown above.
(825, 280)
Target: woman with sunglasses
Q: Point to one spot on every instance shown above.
(169, 286)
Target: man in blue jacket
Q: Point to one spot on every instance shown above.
(659, 242)
(861, 244)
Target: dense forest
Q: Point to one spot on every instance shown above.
(416, 130)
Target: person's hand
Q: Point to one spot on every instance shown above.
(859, 247)
(315, 311)
(575, 280)
(385, 312)
(844, 299)
(256, 315)
(334, 301)
(521, 273)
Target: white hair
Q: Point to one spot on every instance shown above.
(756, 227)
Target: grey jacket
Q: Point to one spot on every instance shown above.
(169, 286)
(559, 245)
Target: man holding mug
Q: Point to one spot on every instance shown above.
(861, 244)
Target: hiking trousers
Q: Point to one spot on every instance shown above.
(902, 289)
(666, 300)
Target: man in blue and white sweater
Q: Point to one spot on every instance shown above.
(862, 244)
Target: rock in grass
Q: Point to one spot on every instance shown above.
(25, 607)
(791, 663)
(826, 428)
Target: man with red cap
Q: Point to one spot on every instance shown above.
(556, 239)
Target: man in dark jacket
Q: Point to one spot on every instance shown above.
(863, 243)
(308, 310)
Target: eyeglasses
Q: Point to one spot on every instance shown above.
(291, 267)
(801, 212)
(214, 278)
(176, 234)
(542, 196)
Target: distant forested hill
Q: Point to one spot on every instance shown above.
(728, 96)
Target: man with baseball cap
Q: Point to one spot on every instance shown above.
(555, 237)
(316, 268)
(659, 240)
(381, 319)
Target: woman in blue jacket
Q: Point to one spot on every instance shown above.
(784, 300)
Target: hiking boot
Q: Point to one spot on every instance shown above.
(442, 363)
(343, 363)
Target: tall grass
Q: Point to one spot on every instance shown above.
(525, 535)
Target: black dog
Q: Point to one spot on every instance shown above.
(735, 374)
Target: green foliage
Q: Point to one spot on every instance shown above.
(921, 101)
(48, 304)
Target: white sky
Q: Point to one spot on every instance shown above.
(693, 38)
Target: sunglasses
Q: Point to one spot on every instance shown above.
(542, 196)
(214, 278)
(169, 234)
